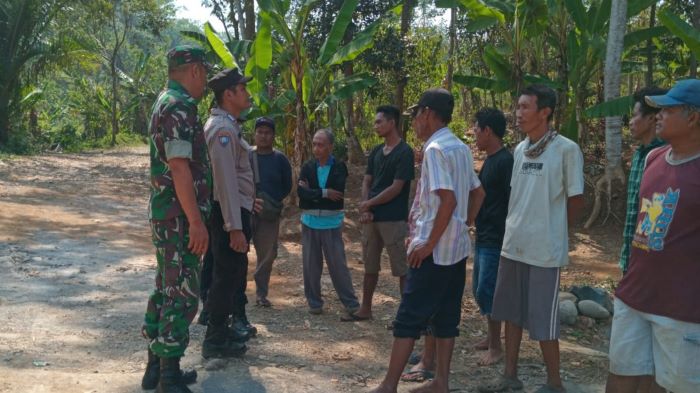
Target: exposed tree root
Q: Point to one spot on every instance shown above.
(604, 184)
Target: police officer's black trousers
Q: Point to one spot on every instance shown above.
(227, 292)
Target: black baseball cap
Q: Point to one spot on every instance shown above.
(439, 100)
(265, 121)
(226, 79)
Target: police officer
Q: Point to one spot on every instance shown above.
(179, 204)
(233, 203)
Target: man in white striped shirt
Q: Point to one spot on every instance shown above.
(450, 197)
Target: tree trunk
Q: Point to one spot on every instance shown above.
(249, 10)
(355, 154)
(115, 97)
(696, 23)
(4, 118)
(238, 7)
(451, 51)
(401, 77)
(300, 137)
(613, 124)
(649, 79)
(34, 122)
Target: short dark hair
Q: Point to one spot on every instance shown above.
(639, 95)
(219, 96)
(390, 112)
(546, 97)
(493, 118)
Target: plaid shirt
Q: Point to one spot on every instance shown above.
(635, 179)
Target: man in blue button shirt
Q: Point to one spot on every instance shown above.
(320, 189)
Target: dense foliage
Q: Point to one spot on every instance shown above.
(83, 74)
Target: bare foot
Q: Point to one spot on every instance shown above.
(491, 357)
(482, 345)
(363, 313)
(382, 389)
(431, 387)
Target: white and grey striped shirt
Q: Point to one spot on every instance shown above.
(447, 165)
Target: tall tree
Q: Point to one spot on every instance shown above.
(109, 25)
(613, 124)
(25, 43)
(401, 77)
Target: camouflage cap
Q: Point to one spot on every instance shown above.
(186, 54)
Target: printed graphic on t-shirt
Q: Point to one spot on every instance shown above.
(532, 168)
(655, 219)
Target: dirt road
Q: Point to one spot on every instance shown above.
(76, 265)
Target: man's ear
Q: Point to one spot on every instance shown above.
(547, 110)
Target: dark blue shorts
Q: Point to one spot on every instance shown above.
(433, 295)
(484, 278)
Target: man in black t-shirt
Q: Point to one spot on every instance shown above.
(384, 207)
(489, 128)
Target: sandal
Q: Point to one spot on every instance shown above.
(352, 317)
(420, 375)
(263, 302)
(549, 389)
(500, 384)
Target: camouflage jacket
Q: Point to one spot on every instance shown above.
(176, 132)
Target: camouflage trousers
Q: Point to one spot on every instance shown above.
(173, 304)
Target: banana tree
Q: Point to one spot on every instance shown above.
(518, 27)
(316, 83)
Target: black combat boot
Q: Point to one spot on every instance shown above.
(241, 324)
(150, 377)
(217, 343)
(171, 377)
(203, 317)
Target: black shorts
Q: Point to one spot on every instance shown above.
(433, 295)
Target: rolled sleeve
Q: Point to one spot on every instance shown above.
(177, 148)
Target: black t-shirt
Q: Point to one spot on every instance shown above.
(384, 169)
(495, 178)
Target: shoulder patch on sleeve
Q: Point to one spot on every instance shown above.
(223, 137)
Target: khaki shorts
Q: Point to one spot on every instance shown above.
(389, 234)
(648, 344)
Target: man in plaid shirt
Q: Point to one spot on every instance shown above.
(643, 130)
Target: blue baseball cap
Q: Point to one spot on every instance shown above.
(685, 92)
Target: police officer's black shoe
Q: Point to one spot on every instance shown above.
(152, 374)
(240, 323)
(171, 377)
(203, 318)
(238, 333)
(218, 344)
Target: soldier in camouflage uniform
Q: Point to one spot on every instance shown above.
(178, 208)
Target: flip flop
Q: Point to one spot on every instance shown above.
(352, 317)
(549, 389)
(263, 302)
(415, 358)
(500, 384)
(420, 375)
